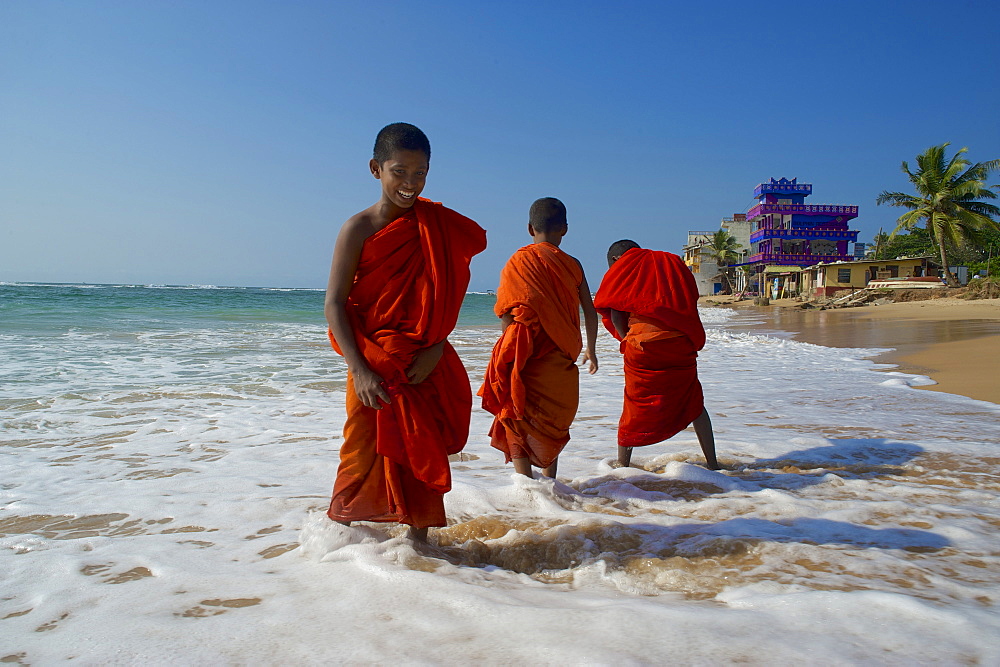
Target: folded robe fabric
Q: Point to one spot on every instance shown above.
(662, 391)
(532, 382)
(408, 289)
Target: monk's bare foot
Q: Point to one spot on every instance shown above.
(417, 535)
(624, 456)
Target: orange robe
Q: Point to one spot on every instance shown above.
(411, 278)
(662, 391)
(532, 382)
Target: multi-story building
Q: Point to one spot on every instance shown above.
(789, 234)
(698, 257)
(740, 229)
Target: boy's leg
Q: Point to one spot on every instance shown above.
(703, 429)
(523, 466)
(624, 456)
(417, 534)
(551, 470)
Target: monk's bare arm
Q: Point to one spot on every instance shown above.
(346, 253)
(590, 322)
(506, 320)
(620, 321)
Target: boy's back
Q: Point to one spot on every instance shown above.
(532, 381)
(546, 280)
(649, 301)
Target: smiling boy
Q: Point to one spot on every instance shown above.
(399, 273)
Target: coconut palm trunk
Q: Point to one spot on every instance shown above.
(950, 278)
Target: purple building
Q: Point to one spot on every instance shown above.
(787, 232)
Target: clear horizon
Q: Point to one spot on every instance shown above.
(225, 143)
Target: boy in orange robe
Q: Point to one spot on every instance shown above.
(649, 301)
(399, 273)
(532, 382)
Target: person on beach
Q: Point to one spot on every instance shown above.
(532, 382)
(399, 273)
(649, 301)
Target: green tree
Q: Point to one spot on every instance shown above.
(917, 243)
(984, 257)
(878, 243)
(948, 200)
(724, 251)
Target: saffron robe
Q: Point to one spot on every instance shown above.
(408, 289)
(662, 391)
(532, 382)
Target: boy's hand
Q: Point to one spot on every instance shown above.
(424, 363)
(591, 357)
(369, 387)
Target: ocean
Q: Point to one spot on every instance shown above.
(168, 454)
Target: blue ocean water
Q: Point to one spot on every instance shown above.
(53, 308)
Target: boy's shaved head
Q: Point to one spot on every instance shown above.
(400, 136)
(618, 249)
(547, 214)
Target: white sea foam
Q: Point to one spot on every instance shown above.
(163, 496)
(711, 316)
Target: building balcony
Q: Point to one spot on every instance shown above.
(805, 234)
(797, 260)
(808, 209)
(783, 186)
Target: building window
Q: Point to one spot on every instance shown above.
(843, 275)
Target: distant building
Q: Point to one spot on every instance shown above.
(740, 229)
(698, 257)
(788, 234)
(824, 280)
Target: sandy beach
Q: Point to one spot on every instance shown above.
(955, 342)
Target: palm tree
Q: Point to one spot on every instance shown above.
(948, 199)
(724, 250)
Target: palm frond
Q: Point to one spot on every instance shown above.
(989, 166)
(908, 221)
(897, 199)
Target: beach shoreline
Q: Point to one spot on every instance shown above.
(955, 342)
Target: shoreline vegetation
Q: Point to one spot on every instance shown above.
(954, 341)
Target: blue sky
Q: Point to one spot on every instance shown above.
(225, 142)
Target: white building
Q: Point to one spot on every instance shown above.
(740, 229)
(697, 256)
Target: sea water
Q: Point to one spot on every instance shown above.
(167, 454)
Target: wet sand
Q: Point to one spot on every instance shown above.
(953, 341)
